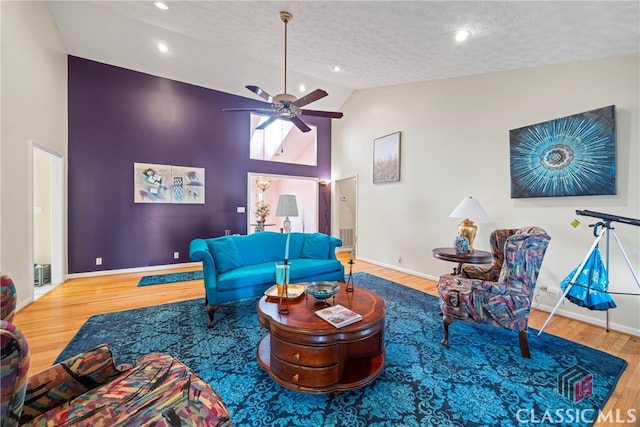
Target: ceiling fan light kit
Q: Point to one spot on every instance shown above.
(285, 106)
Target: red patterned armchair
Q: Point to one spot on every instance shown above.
(505, 302)
(89, 389)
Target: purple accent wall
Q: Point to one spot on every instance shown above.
(118, 117)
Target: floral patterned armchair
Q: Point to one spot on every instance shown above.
(491, 271)
(505, 302)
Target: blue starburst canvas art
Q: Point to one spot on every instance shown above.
(569, 156)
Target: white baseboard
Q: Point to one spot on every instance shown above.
(588, 319)
(571, 315)
(396, 268)
(133, 270)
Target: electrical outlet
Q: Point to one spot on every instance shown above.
(176, 255)
(548, 290)
(240, 209)
(554, 291)
(99, 261)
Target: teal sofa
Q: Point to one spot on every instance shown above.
(237, 267)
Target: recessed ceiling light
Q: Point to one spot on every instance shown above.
(162, 47)
(160, 5)
(302, 88)
(336, 68)
(462, 35)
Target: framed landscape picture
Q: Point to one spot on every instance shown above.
(386, 158)
(570, 156)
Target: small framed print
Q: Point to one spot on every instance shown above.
(386, 158)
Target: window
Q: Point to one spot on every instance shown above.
(283, 142)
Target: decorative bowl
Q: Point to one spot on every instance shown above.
(322, 290)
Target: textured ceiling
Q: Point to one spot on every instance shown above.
(225, 45)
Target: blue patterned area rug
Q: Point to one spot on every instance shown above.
(161, 279)
(479, 379)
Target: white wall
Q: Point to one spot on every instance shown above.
(34, 110)
(41, 207)
(455, 143)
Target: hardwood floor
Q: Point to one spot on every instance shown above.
(50, 322)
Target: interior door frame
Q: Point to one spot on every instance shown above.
(56, 212)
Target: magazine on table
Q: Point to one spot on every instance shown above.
(338, 315)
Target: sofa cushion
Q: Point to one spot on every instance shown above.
(265, 273)
(225, 254)
(304, 268)
(261, 247)
(316, 246)
(248, 275)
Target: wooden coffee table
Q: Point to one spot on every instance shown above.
(304, 353)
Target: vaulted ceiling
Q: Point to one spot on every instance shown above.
(225, 45)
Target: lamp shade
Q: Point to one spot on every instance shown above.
(470, 208)
(287, 205)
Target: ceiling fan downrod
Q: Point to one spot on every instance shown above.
(286, 17)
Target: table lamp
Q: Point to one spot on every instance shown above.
(287, 206)
(468, 209)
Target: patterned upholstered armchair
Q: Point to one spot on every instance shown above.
(490, 272)
(505, 302)
(8, 298)
(89, 389)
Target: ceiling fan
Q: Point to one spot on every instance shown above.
(285, 106)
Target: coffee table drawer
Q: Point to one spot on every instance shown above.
(305, 376)
(303, 354)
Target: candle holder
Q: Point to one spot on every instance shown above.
(350, 278)
(283, 304)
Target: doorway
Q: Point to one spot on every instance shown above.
(304, 188)
(47, 194)
(345, 214)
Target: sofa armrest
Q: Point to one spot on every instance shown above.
(335, 243)
(69, 379)
(199, 251)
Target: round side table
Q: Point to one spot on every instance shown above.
(450, 254)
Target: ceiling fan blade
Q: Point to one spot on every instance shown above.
(309, 98)
(299, 123)
(261, 93)
(330, 114)
(266, 123)
(262, 111)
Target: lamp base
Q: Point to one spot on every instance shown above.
(286, 224)
(468, 229)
